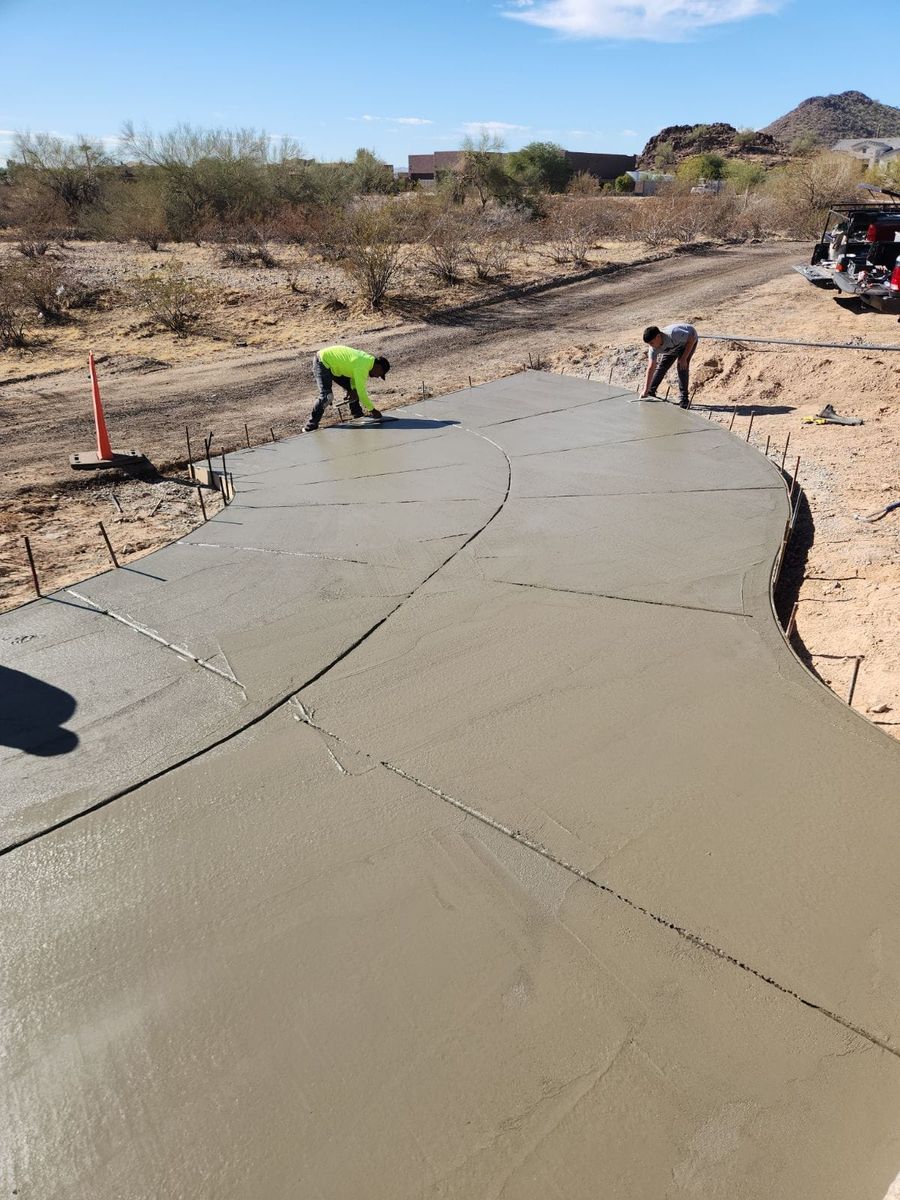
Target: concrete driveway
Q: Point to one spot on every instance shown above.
(448, 818)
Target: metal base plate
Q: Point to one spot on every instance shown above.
(90, 460)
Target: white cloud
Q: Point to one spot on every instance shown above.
(492, 128)
(652, 20)
(629, 133)
(394, 120)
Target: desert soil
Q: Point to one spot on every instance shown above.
(843, 573)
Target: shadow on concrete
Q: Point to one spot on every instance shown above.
(32, 714)
(399, 423)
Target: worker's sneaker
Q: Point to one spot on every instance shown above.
(310, 426)
(375, 415)
(684, 404)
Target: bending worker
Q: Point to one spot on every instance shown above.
(349, 368)
(671, 344)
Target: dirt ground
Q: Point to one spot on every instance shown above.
(842, 572)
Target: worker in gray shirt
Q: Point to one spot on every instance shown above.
(671, 344)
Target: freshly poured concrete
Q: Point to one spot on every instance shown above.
(566, 880)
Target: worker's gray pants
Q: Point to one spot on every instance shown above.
(663, 364)
(325, 381)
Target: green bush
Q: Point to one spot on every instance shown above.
(541, 166)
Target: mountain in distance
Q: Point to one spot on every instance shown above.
(828, 119)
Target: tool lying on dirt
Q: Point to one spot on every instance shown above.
(878, 515)
(828, 416)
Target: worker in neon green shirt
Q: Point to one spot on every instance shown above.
(351, 369)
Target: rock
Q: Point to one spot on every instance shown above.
(880, 708)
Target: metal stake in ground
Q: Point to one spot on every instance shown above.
(768, 439)
(733, 415)
(202, 504)
(787, 442)
(750, 426)
(853, 679)
(112, 553)
(794, 479)
(272, 431)
(207, 447)
(37, 586)
(247, 435)
(187, 434)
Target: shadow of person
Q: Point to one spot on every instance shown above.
(32, 714)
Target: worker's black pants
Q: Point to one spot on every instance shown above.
(663, 364)
(325, 381)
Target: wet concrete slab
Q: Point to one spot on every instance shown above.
(324, 980)
(533, 864)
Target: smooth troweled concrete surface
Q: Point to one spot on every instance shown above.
(465, 829)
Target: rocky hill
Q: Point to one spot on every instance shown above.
(827, 119)
(677, 142)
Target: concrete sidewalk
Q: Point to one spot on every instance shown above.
(490, 842)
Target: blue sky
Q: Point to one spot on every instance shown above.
(403, 77)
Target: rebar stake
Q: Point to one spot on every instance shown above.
(208, 451)
(37, 586)
(610, 376)
(794, 480)
(768, 439)
(423, 389)
(247, 435)
(115, 500)
(112, 553)
(470, 381)
(788, 633)
(853, 678)
(530, 363)
(187, 434)
(202, 502)
(784, 455)
(733, 415)
(224, 480)
(272, 431)
(750, 426)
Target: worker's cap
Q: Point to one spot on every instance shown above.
(384, 364)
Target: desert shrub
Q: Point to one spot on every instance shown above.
(34, 248)
(135, 208)
(623, 184)
(44, 287)
(171, 298)
(805, 190)
(60, 175)
(571, 230)
(886, 173)
(495, 235)
(583, 183)
(445, 246)
(12, 311)
(375, 249)
(12, 326)
(251, 251)
(744, 138)
(541, 166)
(483, 170)
(743, 176)
(700, 166)
(664, 156)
